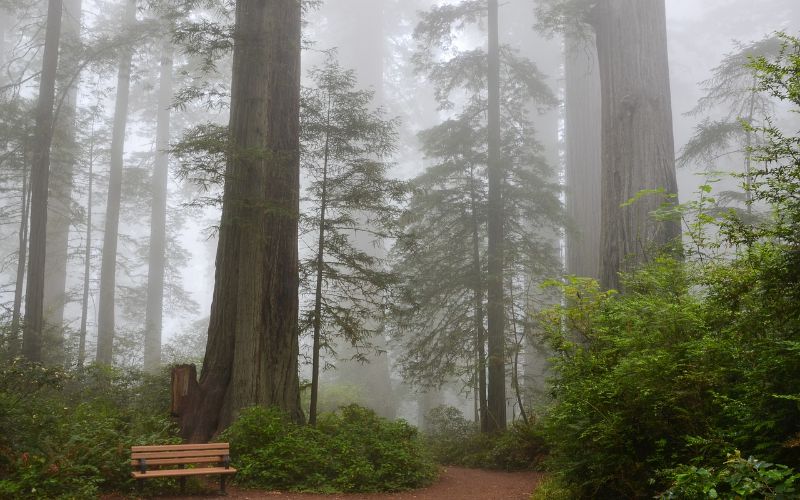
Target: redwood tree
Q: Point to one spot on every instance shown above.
(637, 142)
(252, 350)
(40, 173)
(108, 269)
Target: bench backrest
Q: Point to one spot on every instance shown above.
(179, 454)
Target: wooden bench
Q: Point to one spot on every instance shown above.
(161, 461)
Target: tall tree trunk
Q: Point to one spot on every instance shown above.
(59, 207)
(14, 344)
(87, 265)
(40, 172)
(496, 389)
(158, 221)
(252, 350)
(312, 411)
(108, 267)
(5, 23)
(583, 164)
(637, 141)
(480, 333)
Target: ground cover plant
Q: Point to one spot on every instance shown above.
(351, 450)
(454, 440)
(68, 434)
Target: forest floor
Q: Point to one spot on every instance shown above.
(454, 483)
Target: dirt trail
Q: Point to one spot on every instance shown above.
(455, 483)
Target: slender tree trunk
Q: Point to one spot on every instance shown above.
(108, 267)
(496, 388)
(14, 344)
(40, 172)
(87, 265)
(252, 350)
(4, 25)
(158, 222)
(637, 141)
(480, 334)
(59, 207)
(312, 412)
(583, 164)
(748, 160)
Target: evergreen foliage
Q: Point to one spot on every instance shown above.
(68, 434)
(442, 254)
(352, 450)
(696, 361)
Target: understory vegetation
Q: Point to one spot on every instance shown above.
(68, 435)
(351, 450)
(687, 384)
(454, 440)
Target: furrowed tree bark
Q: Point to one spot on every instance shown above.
(496, 388)
(59, 207)
(40, 172)
(158, 221)
(108, 267)
(583, 158)
(637, 138)
(252, 350)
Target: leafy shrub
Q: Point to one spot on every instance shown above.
(454, 440)
(691, 363)
(67, 435)
(352, 450)
(738, 478)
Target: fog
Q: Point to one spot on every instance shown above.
(396, 320)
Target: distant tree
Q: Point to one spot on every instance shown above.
(158, 221)
(732, 107)
(491, 138)
(106, 313)
(64, 156)
(345, 147)
(252, 350)
(40, 171)
(637, 138)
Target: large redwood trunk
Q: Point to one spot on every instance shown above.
(583, 154)
(637, 142)
(40, 175)
(496, 386)
(252, 350)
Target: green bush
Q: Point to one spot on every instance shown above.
(352, 450)
(689, 364)
(738, 478)
(68, 435)
(454, 440)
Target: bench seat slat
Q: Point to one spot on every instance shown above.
(183, 472)
(173, 447)
(178, 461)
(179, 454)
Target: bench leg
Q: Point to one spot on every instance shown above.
(139, 486)
(182, 480)
(222, 485)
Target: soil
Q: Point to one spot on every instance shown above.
(455, 483)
